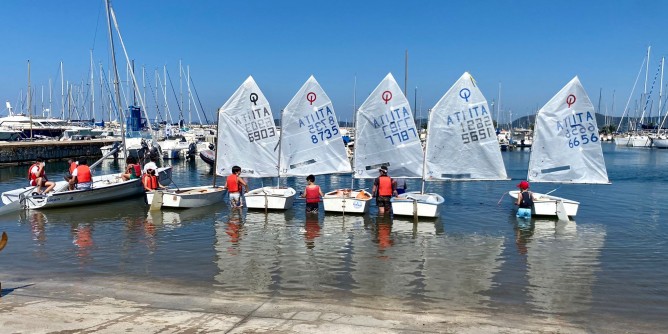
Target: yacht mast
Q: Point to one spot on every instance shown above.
(116, 86)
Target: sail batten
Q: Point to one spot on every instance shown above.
(566, 146)
(311, 141)
(386, 134)
(461, 139)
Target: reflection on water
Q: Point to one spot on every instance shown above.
(563, 260)
(476, 255)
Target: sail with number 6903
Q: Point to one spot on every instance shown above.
(247, 135)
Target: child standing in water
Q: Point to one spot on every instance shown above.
(312, 193)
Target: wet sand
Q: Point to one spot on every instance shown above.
(114, 306)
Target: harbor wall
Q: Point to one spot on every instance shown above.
(18, 153)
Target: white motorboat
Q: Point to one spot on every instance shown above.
(567, 149)
(347, 201)
(247, 137)
(191, 197)
(105, 188)
(273, 198)
(660, 142)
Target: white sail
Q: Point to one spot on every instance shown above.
(566, 145)
(247, 135)
(311, 142)
(386, 134)
(461, 140)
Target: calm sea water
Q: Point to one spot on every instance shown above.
(609, 266)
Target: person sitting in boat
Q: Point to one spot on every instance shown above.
(151, 165)
(150, 181)
(524, 200)
(82, 178)
(68, 177)
(384, 187)
(235, 185)
(401, 186)
(37, 177)
(132, 171)
(312, 193)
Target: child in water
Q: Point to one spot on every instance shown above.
(312, 193)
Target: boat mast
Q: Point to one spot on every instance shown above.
(92, 89)
(190, 114)
(132, 73)
(660, 89)
(352, 178)
(116, 86)
(62, 91)
(29, 100)
(50, 95)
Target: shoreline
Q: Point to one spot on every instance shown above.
(113, 305)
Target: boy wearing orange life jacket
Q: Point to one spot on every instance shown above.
(235, 185)
(37, 177)
(150, 180)
(82, 177)
(312, 193)
(384, 188)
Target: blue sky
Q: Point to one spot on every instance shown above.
(532, 47)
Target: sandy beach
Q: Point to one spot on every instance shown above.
(111, 306)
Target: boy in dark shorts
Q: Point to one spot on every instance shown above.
(384, 188)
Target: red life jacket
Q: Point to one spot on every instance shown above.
(32, 177)
(384, 186)
(83, 174)
(150, 181)
(313, 194)
(137, 170)
(233, 183)
(73, 166)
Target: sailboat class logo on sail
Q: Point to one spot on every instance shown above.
(396, 123)
(579, 127)
(321, 122)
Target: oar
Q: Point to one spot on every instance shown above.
(3, 241)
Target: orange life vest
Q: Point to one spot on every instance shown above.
(233, 183)
(313, 194)
(73, 166)
(83, 174)
(151, 181)
(384, 186)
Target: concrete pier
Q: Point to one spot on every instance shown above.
(17, 153)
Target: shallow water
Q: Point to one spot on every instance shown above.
(610, 265)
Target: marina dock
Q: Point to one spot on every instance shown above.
(18, 153)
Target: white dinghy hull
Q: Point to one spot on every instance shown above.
(105, 188)
(546, 205)
(427, 205)
(191, 197)
(347, 201)
(270, 198)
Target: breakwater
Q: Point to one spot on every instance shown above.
(17, 153)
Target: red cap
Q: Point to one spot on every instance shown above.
(523, 185)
